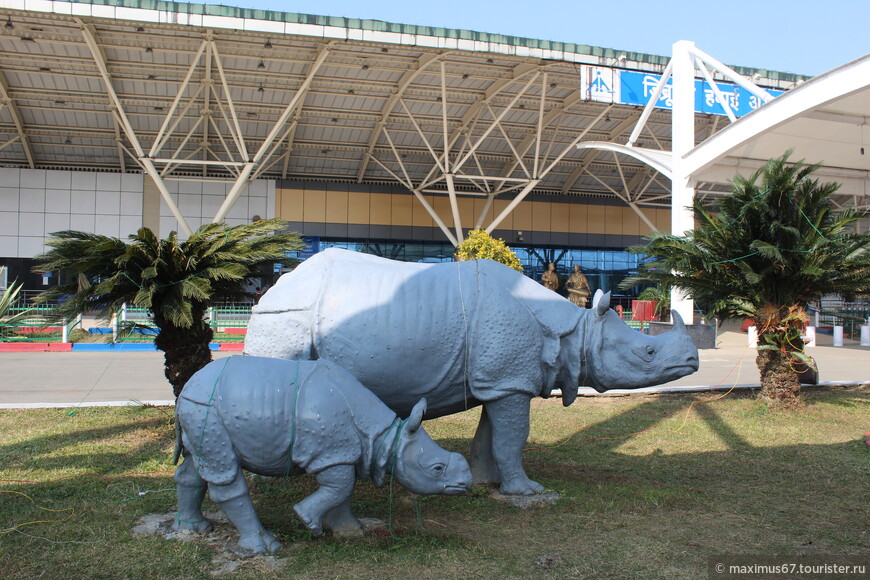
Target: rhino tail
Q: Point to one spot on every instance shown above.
(178, 444)
(569, 394)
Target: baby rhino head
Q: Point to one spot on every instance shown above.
(424, 467)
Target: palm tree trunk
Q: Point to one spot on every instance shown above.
(185, 352)
(780, 385)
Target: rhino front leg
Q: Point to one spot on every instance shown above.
(509, 418)
(342, 522)
(236, 504)
(190, 489)
(336, 486)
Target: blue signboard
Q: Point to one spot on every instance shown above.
(638, 87)
(312, 246)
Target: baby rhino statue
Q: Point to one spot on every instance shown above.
(276, 417)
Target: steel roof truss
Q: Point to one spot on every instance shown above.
(420, 132)
(89, 35)
(234, 127)
(9, 142)
(6, 99)
(175, 159)
(259, 156)
(407, 78)
(407, 180)
(517, 156)
(159, 141)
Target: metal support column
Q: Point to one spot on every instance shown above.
(683, 141)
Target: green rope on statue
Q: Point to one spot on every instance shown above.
(295, 385)
(377, 454)
(395, 453)
(208, 406)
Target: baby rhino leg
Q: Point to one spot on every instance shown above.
(342, 522)
(336, 486)
(190, 488)
(236, 504)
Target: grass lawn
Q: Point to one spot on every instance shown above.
(650, 486)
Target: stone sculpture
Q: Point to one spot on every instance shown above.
(276, 417)
(550, 279)
(578, 288)
(461, 334)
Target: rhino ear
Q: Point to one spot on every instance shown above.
(415, 419)
(600, 302)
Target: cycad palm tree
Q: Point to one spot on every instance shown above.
(766, 251)
(176, 281)
(7, 302)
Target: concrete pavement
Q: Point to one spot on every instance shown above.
(98, 378)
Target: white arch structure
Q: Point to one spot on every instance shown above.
(823, 120)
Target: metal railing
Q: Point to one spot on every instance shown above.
(851, 315)
(129, 324)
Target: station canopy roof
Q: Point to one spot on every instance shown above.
(210, 92)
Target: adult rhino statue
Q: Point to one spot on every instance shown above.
(460, 334)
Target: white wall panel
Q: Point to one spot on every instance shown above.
(8, 223)
(132, 182)
(8, 197)
(55, 222)
(83, 201)
(31, 224)
(31, 200)
(107, 225)
(29, 246)
(82, 222)
(83, 180)
(32, 179)
(190, 205)
(108, 202)
(10, 177)
(9, 246)
(58, 180)
(129, 225)
(109, 182)
(131, 203)
(35, 203)
(57, 200)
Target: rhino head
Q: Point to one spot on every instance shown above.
(421, 465)
(613, 356)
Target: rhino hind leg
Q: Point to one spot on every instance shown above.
(336, 485)
(342, 522)
(483, 465)
(190, 489)
(509, 417)
(236, 504)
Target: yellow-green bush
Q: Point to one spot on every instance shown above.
(480, 245)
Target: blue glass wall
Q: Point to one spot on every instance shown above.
(604, 269)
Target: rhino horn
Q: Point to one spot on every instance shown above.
(678, 321)
(600, 302)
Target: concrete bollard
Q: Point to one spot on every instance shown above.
(865, 336)
(810, 336)
(838, 336)
(752, 336)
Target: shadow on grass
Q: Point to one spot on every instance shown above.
(68, 447)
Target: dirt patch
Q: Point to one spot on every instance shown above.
(223, 540)
(528, 501)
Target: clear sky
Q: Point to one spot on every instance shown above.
(799, 36)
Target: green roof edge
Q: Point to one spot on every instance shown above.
(434, 31)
